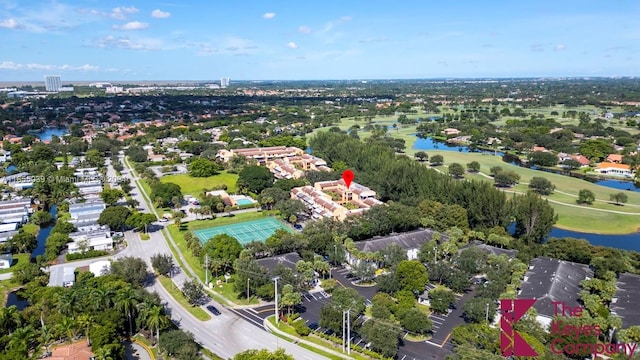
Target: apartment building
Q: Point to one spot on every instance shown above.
(332, 199)
(90, 240)
(261, 155)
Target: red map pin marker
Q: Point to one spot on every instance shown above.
(348, 176)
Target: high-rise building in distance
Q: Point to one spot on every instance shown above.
(224, 82)
(52, 83)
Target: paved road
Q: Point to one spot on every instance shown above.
(225, 335)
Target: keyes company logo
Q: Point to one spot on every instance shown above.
(512, 343)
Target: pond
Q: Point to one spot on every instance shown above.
(618, 184)
(47, 133)
(15, 299)
(43, 234)
(429, 143)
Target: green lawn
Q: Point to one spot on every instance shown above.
(17, 259)
(585, 218)
(194, 186)
(176, 293)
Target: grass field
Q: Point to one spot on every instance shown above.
(226, 220)
(571, 216)
(17, 259)
(245, 232)
(194, 186)
(582, 218)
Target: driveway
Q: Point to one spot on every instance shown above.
(340, 274)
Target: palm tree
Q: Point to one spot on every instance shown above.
(85, 322)
(46, 335)
(68, 327)
(156, 319)
(102, 298)
(66, 303)
(126, 300)
(22, 339)
(9, 319)
(103, 353)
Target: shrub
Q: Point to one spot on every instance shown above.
(301, 328)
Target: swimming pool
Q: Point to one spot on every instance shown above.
(244, 202)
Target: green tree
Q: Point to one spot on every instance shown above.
(456, 170)
(94, 158)
(254, 179)
(416, 321)
(596, 150)
(193, 291)
(140, 221)
(543, 158)
(115, 217)
(41, 218)
(111, 196)
(534, 217)
(495, 170)
(479, 309)
(126, 301)
(130, 269)
(436, 160)
(224, 248)
(421, 155)
(384, 337)
(155, 319)
(586, 196)
(263, 355)
(441, 300)
(541, 185)
(412, 276)
(165, 191)
(619, 198)
(23, 242)
(202, 168)
(180, 344)
(382, 306)
(506, 178)
(290, 298)
(473, 166)
(162, 263)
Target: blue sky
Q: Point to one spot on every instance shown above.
(255, 40)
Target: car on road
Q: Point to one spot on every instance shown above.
(213, 310)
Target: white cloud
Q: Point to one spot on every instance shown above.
(269, 15)
(9, 24)
(159, 14)
(345, 19)
(125, 43)
(121, 13)
(292, 45)
(560, 47)
(10, 65)
(133, 25)
(304, 29)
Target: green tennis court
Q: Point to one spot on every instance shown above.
(245, 232)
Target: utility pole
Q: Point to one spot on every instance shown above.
(206, 270)
(276, 310)
(349, 331)
(486, 317)
(248, 288)
(435, 254)
(344, 333)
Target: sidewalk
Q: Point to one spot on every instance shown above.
(271, 328)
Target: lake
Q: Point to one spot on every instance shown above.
(14, 299)
(43, 234)
(625, 241)
(428, 143)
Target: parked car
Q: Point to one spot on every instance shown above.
(213, 310)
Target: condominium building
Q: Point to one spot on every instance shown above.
(53, 83)
(332, 199)
(90, 240)
(261, 155)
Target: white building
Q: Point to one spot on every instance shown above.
(5, 261)
(53, 83)
(224, 82)
(87, 208)
(100, 268)
(90, 240)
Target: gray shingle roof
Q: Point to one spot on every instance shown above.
(492, 249)
(625, 303)
(550, 280)
(407, 241)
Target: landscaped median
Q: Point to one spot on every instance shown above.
(329, 349)
(176, 293)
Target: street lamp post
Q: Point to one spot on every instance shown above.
(276, 297)
(248, 288)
